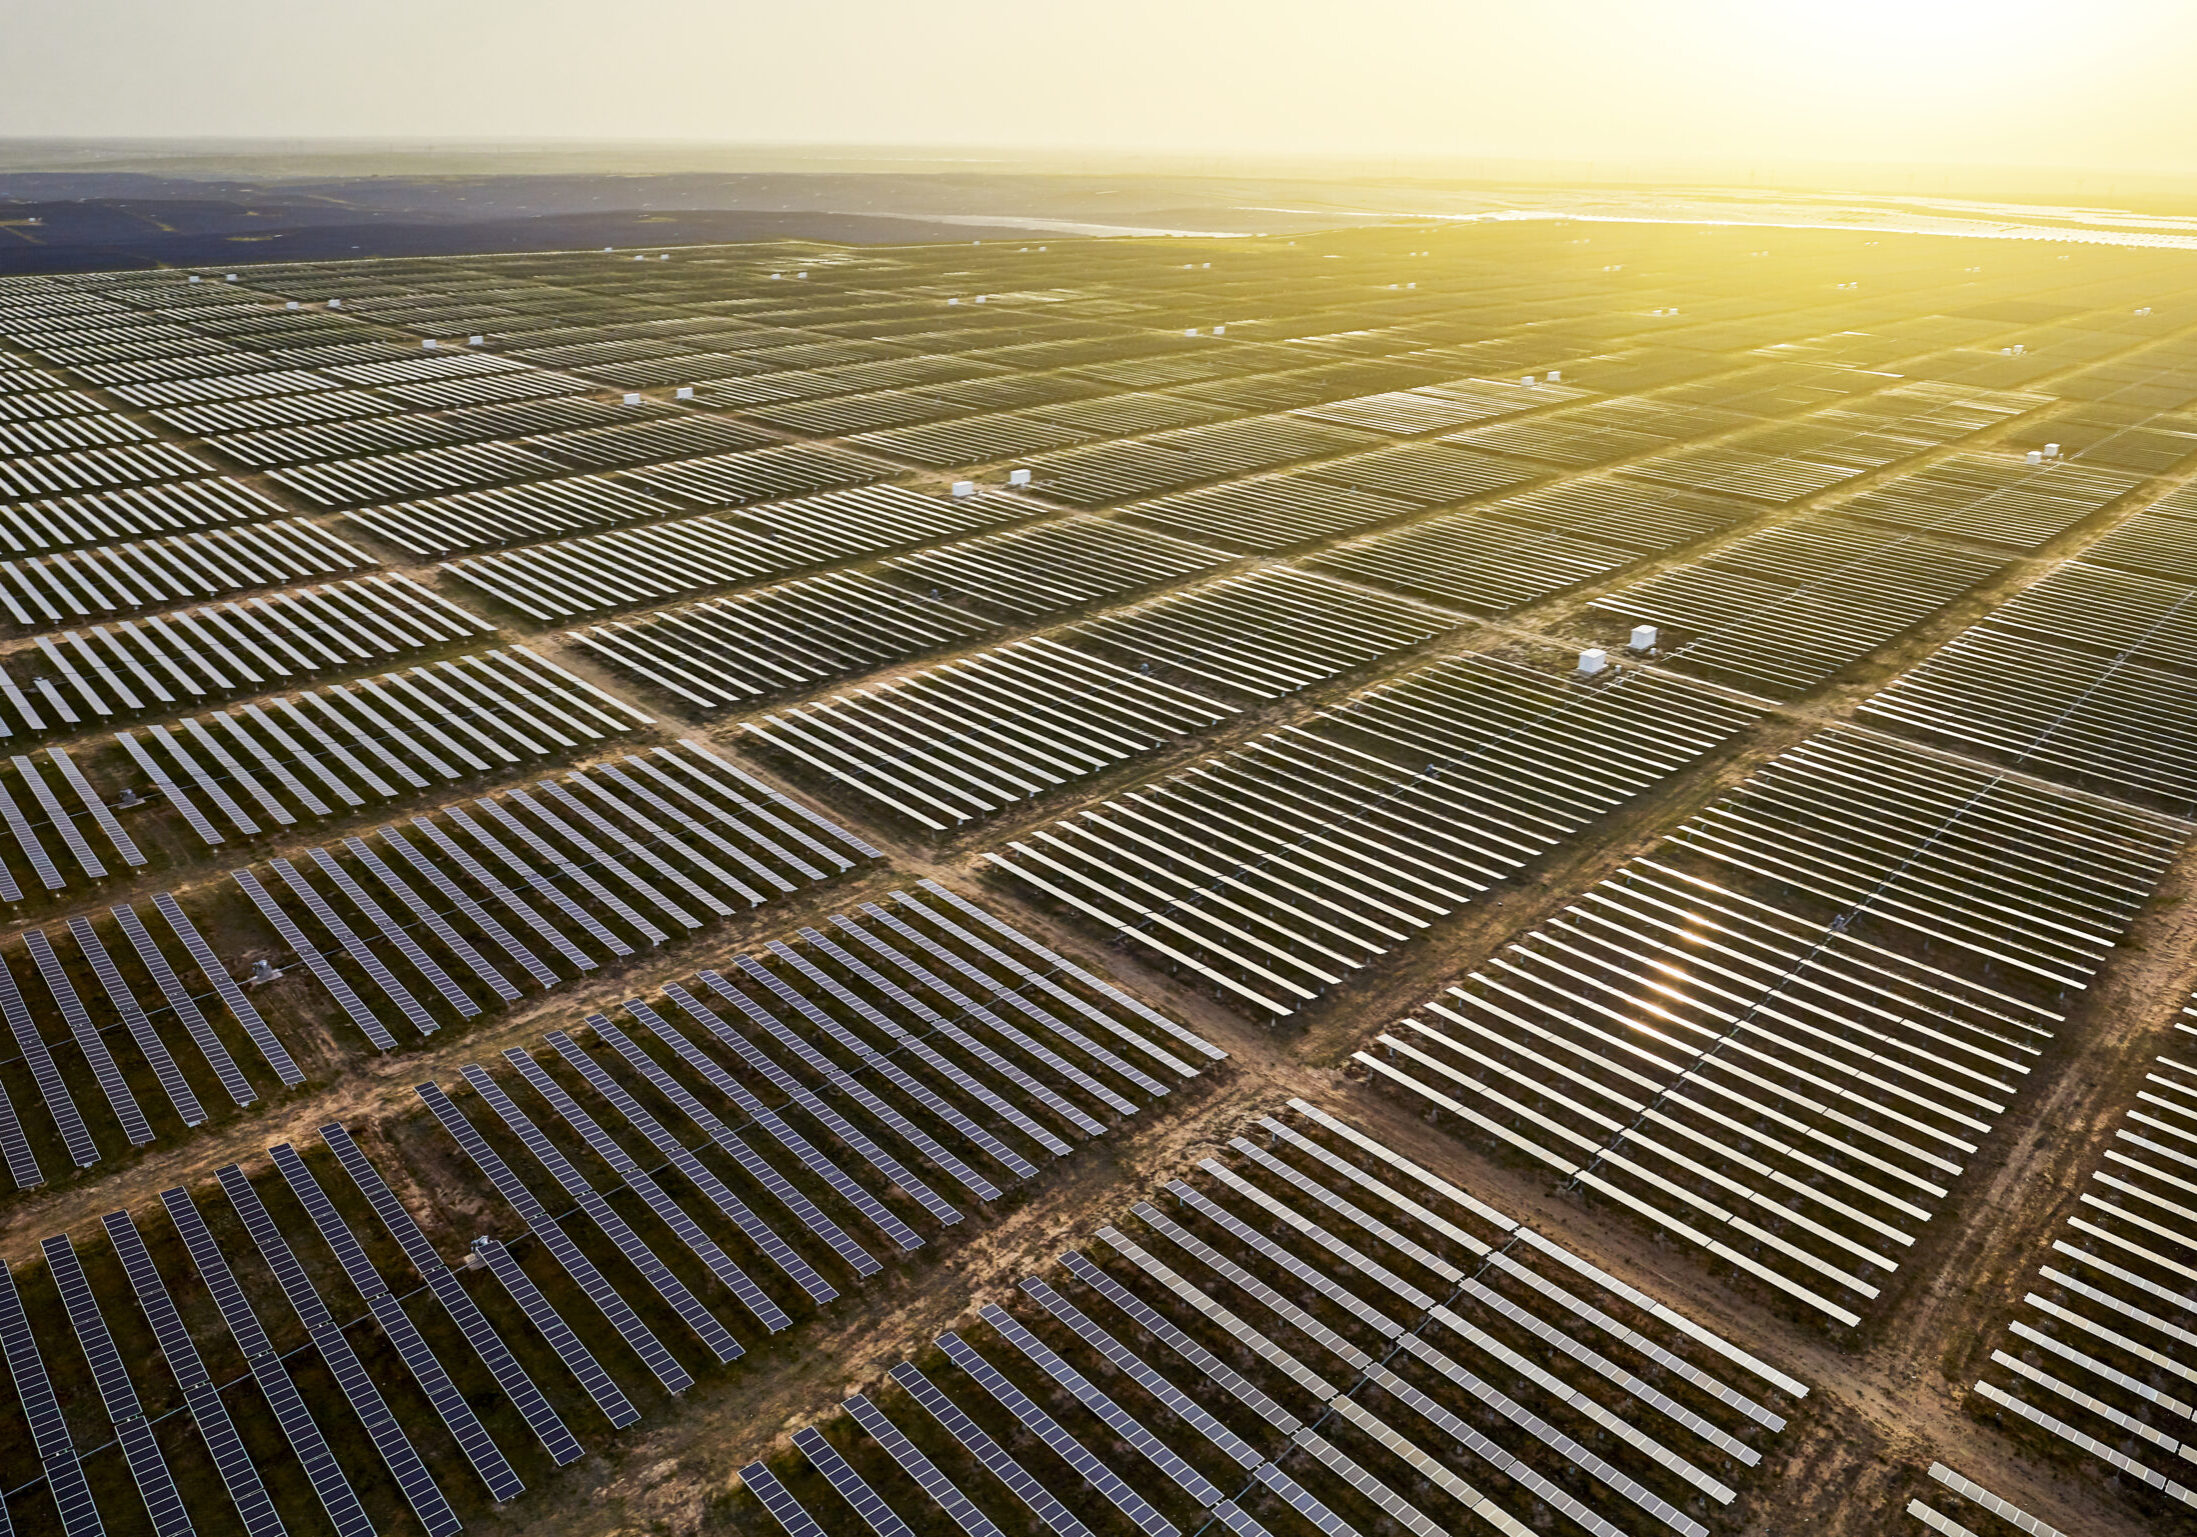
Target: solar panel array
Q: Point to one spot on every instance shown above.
(398, 641)
(734, 1204)
(2083, 677)
(1312, 1331)
(1781, 1036)
(1975, 1509)
(2095, 1358)
(1275, 870)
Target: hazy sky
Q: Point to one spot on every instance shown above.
(2105, 84)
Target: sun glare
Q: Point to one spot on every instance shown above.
(1869, 47)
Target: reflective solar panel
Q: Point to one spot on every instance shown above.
(878, 1062)
(397, 1451)
(367, 961)
(456, 896)
(614, 1227)
(202, 955)
(67, 1119)
(578, 1359)
(48, 1426)
(956, 1422)
(869, 1205)
(884, 1162)
(925, 1472)
(938, 1061)
(433, 921)
(915, 1008)
(643, 1184)
(141, 1029)
(457, 1415)
(239, 1472)
(851, 1486)
(406, 946)
(1122, 1358)
(88, 1039)
(699, 1174)
(311, 1447)
(787, 1511)
(117, 1394)
(1049, 1430)
(553, 1238)
(315, 962)
(455, 1299)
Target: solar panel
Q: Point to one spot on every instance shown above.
(961, 1003)
(117, 1394)
(15, 1147)
(847, 1084)
(635, 847)
(1012, 999)
(884, 1162)
(33, 850)
(209, 786)
(457, 1415)
(88, 1039)
(699, 1174)
(784, 1508)
(59, 1103)
(921, 1049)
(517, 1386)
(202, 955)
(1067, 1109)
(397, 1451)
(541, 883)
(455, 895)
(578, 1359)
(956, 1422)
(338, 989)
(1186, 1408)
(1311, 1381)
(433, 921)
(644, 1259)
(675, 1378)
(168, 787)
(96, 805)
(336, 1495)
(925, 1472)
(511, 899)
(421, 961)
(368, 962)
(1118, 1419)
(1143, 1011)
(852, 1487)
(1049, 1430)
(239, 1472)
(643, 1184)
(869, 1205)
(1182, 1344)
(48, 1426)
(59, 818)
(141, 1029)
(756, 1167)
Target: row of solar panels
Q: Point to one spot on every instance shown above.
(1854, 961)
(1274, 871)
(825, 1017)
(1313, 1334)
(552, 883)
(2083, 676)
(2099, 1357)
(244, 646)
